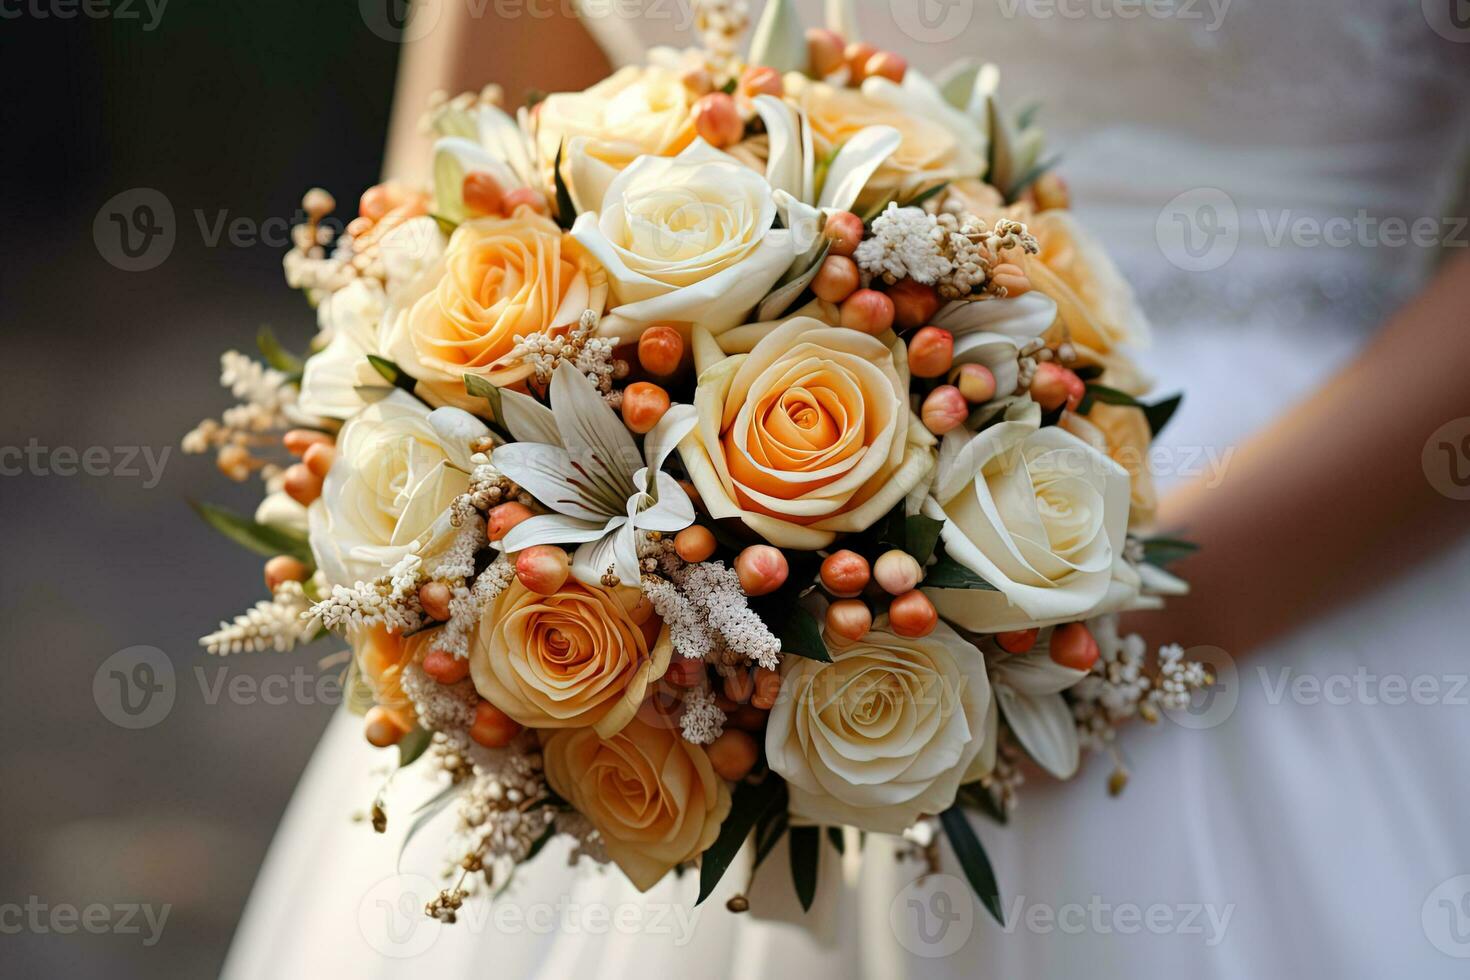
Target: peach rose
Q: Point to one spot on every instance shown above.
(928, 151)
(1094, 301)
(381, 658)
(654, 797)
(807, 436)
(569, 660)
(1121, 432)
(501, 277)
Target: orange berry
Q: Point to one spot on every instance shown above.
(532, 199)
(298, 441)
(733, 754)
(717, 119)
(931, 352)
(284, 568)
(836, 279)
(912, 614)
(868, 311)
(762, 569)
(661, 349)
(698, 81)
(845, 573)
(886, 64)
(767, 688)
(318, 458)
(434, 597)
(914, 304)
(825, 50)
(747, 718)
(301, 484)
(543, 568)
(492, 727)
(445, 667)
(857, 55)
(976, 382)
(684, 671)
(482, 193)
(846, 231)
(503, 517)
(695, 543)
(760, 80)
(944, 409)
(1017, 641)
(376, 202)
(1072, 645)
(381, 728)
(644, 403)
(739, 686)
(1054, 386)
(849, 618)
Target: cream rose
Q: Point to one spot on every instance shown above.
(570, 660)
(501, 277)
(636, 111)
(929, 150)
(397, 469)
(883, 734)
(689, 239)
(807, 436)
(1037, 513)
(654, 797)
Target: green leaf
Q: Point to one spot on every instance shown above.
(1111, 396)
(778, 41)
(392, 373)
(263, 539)
(1162, 551)
(1027, 115)
(1159, 413)
(275, 355)
(540, 842)
(477, 387)
(921, 534)
(918, 199)
(805, 845)
(981, 799)
(566, 211)
(413, 745)
(950, 574)
(973, 860)
(1030, 177)
(768, 833)
(446, 225)
(426, 812)
(752, 801)
(834, 834)
(797, 630)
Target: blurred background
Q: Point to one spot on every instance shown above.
(228, 113)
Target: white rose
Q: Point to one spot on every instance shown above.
(688, 239)
(398, 468)
(883, 734)
(1037, 513)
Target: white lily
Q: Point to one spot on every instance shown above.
(993, 331)
(1028, 688)
(578, 459)
(479, 139)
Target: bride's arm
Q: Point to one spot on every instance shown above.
(470, 47)
(1333, 498)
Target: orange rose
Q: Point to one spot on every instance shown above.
(502, 277)
(807, 436)
(654, 797)
(569, 660)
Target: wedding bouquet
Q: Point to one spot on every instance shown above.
(741, 447)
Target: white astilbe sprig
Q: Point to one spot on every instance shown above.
(702, 721)
(440, 707)
(706, 608)
(958, 255)
(905, 244)
(368, 604)
(277, 623)
(587, 839)
(467, 604)
(589, 354)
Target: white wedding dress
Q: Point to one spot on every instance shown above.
(1271, 835)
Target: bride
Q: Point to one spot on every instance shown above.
(1280, 184)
